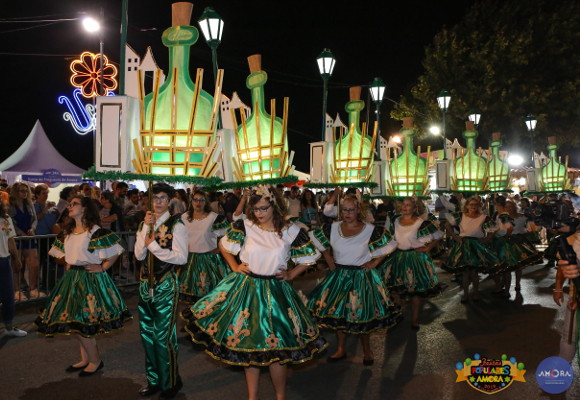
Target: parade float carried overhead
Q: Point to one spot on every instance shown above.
(261, 139)
(470, 168)
(354, 151)
(408, 172)
(554, 176)
(178, 119)
(498, 171)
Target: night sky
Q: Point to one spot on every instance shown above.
(384, 39)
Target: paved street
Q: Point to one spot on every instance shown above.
(409, 365)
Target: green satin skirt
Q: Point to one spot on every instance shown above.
(250, 321)
(83, 303)
(353, 301)
(200, 275)
(411, 273)
(471, 253)
(516, 252)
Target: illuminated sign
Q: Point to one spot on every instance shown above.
(87, 75)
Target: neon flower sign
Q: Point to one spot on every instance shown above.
(87, 75)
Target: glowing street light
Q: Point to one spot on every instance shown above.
(212, 27)
(531, 123)
(474, 117)
(443, 99)
(326, 63)
(435, 130)
(377, 89)
(515, 160)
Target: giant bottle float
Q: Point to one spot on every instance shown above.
(178, 119)
(554, 176)
(354, 151)
(470, 169)
(261, 139)
(408, 172)
(498, 171)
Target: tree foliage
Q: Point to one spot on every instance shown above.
(507, 58)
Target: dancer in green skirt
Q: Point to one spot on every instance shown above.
(352, 298)
(470, 251)
(205, 266)
(85, 300)
(409, 271)
(254, 317)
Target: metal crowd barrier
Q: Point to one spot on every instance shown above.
(125, 271)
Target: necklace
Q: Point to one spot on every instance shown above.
(266, 229)
(81, 232)
(199, 219)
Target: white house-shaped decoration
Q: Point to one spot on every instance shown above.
(148, 67)
(227, 105)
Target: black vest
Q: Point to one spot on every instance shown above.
(164, 238)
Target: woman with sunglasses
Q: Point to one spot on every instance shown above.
(353, 299)
(470, 251)
(205, 266)
(254, 317)
(85, 300)
(409, 272)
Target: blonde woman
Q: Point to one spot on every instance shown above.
(352, 298)
(22, 213)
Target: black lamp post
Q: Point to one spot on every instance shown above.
(326, 63)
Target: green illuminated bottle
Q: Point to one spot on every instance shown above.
(408, 171)
(470, 169)
(353, 151)
(262, 145)
(498, 170)
(168, 113)
(554, 174)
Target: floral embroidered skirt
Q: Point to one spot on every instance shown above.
(251, 321)
(200, 275)
(410, 273)
(353, 301)
(471, 253)
(83, 303)
(516, 252)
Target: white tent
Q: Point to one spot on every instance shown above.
(37, 160)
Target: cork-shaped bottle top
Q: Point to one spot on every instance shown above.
(255, 63)
(552, 140)
(469, 125)
(495, 136)
(407, 122)
(355, 93)
(181, 13)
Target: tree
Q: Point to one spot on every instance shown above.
(507, 58)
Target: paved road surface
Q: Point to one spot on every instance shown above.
(409, 365)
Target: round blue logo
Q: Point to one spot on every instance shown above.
(554, 375)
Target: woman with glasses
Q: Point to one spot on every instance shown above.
(352, 298)
(409, 272)
(254, 317)
(24, 217)
(205, 266)
(470, 251)
(85, 300)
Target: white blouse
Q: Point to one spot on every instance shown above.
(76, 249)
(406, 236)
(469, 227)
(201, 237)
(353, 250)
(264, 251)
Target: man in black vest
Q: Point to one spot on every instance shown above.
(165, 238)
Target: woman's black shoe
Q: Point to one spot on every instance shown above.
(336, 359)
(368, 363)
(72, 368)
(86, 373)
(148, 390)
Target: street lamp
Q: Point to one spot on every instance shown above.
(443, 98)
(91, 25)
(474, 117)
(212, 27)
(377, 89)
(326, 63)
(531, 122)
